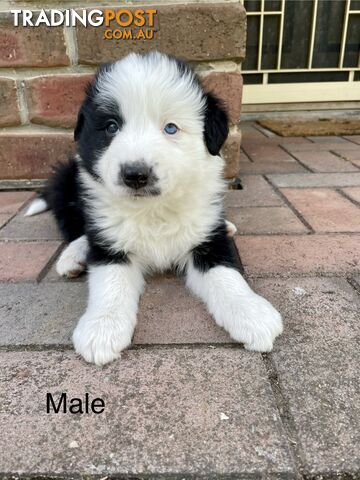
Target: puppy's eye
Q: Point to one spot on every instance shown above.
(170, 128)
(112, 127)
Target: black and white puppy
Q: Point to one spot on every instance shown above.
(144, 194)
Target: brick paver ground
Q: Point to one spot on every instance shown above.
(186, 401)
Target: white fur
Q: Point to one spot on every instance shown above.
(107, 326)
(160, 230)
(247, 317)
(38, 205)
(72, 260)
(157, 232)
(230, 228)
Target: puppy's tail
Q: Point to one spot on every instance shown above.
(38, 205)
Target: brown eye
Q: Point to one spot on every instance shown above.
(112, 128)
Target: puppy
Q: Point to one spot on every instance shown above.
(143, 194)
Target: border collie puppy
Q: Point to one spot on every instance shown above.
(144, 194)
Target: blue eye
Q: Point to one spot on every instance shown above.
(112, 127)
(170, 128)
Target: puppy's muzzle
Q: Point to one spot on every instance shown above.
(136, 175)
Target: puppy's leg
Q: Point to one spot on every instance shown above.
(107, 326)
(213, 275)
(72, 261)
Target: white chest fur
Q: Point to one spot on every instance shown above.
(158, 231)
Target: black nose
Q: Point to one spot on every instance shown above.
(135, 175)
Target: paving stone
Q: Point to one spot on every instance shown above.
(265, 220)
(308, 147)
(205, 413)
(22, 261)
(169, 314)
(327, 139)
(316, 180)
(261, 152)
(11, 202)
(325, 209)
(325, 162)
(351, 155)
(353, 193)
(40, 314)
(256, 192)
(270, 167)
(46, 314)
(314, 310)
(320, 385)
(4, 217)
(301, 254)
(353, 138)
(39, 227)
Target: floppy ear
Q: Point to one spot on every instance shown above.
(216, 127)
(79, 124)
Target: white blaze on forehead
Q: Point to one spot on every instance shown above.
(152, 87)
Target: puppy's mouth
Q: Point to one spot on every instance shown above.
(144, 192)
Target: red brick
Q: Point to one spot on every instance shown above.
(21, 261)
(263, 152)
(353, 193)
(301, 254)
(203, 31)
(9, 110)
(55, 99)
(265, 220)
(325, 209)
(11, 202)
(31, 155)
(30, 47)
(325, 162)
(231, 155)
(256, 192)
(227, 86)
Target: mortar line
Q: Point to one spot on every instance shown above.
(289, 204)
(296, 451)
(22, 102)
(347, 197)
(295, 158)
(346, 159)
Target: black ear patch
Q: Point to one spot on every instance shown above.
(79, 125)
(216, 127)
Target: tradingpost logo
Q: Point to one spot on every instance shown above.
(120, 23)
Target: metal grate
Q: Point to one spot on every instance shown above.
(302, 51)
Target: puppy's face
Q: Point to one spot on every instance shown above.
(146, 126)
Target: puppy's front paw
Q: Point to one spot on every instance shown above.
(98, 338)
(257, 323)
(72, 261)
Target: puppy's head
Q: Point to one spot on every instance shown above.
(146, 125)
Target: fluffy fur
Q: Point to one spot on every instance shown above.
(143, 194)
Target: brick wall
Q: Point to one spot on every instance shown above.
(43, 72)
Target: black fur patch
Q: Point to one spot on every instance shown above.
(102, 255)
(90, 131)
(216, 127)
(63, 196)
(218, 250)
